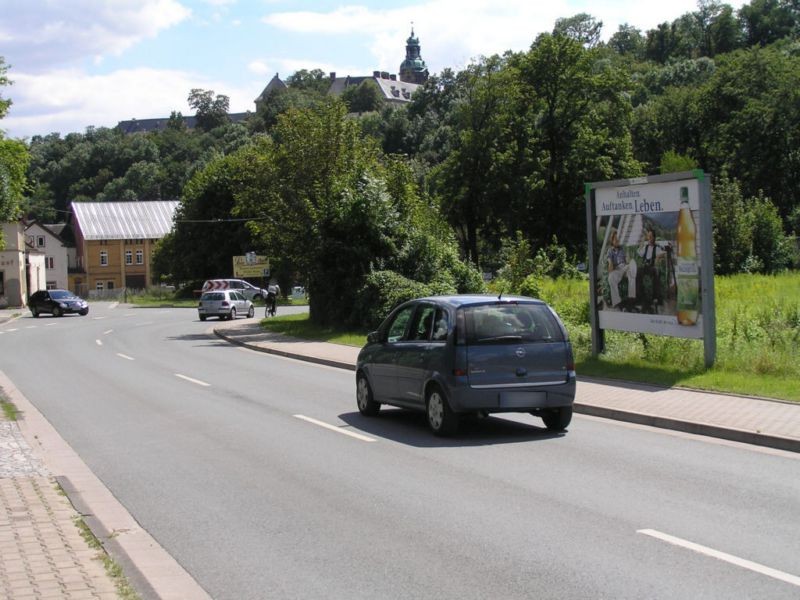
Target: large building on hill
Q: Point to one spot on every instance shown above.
(395, 89)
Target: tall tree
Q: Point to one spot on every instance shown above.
(4, 81)
(206, 236)
(627, 40)
(583, 28)
(211, 111)
(303, 190)
(751, 111)
(14, 160)
(581, 120)
(472, 181)
(314, 81)
(364, 97)
(767, 21)
(662, 42)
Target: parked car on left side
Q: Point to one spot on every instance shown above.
(57, 303)
(225, 304)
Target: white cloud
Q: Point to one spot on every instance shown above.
(39, 34)
(451, 32)
(69, 101)
(454, 32)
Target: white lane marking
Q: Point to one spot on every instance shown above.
(98, 318)
(145, 323)
(125, 356)
(31, 327)
(10, 330)
(107, 331)
(734, 560)
(51, 324)
(113, 305)
(98, 342)
(358, 436)
(197, 381)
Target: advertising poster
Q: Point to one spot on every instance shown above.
(648, 253)
(250, 265)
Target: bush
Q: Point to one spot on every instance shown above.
(383, 291)
(468, 279)
(770, 245)
(530, 287)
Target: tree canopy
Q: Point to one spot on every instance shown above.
(14, 160)
(357, 194)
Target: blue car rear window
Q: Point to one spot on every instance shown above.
(511, 323)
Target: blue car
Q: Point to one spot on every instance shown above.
(456, 355)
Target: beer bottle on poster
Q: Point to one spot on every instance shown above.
(688, 274)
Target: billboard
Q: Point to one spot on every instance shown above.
(651, 257)
(250, 265)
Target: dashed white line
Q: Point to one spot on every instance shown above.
(125, 356)
(193, 380)
(358, 436)
(98, 342)
(50, 324)
(107, 331)
(729, 558)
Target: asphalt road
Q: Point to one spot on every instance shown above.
(260, 477)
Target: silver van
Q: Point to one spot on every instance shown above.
(247, 289)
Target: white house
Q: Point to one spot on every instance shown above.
(47, 240)
(22, 268)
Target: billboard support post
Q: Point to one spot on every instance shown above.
(598, 336)
(707, 274)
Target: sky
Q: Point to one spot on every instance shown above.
(81, 63)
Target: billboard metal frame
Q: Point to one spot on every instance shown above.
(703, 182)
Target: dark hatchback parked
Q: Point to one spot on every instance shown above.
(57, 303)
(455, 355)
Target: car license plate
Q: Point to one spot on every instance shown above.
(522, 399)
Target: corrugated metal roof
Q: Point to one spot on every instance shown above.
(125, 220)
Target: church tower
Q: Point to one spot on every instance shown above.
(413, 69)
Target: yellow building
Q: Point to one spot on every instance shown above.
(114, 244)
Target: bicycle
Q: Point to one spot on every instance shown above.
(271, 308)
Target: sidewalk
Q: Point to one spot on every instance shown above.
(46, 491)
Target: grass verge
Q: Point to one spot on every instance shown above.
(113, 570)
(299, 326)
(10, 411)
(714, 380)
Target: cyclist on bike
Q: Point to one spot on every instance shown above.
(273, 291)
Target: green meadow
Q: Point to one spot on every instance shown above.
(758, 339)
